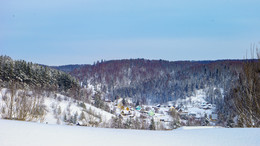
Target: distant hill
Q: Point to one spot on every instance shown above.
(30, 75)
(158, 81)
(67, 68)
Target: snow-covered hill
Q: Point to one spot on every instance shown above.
(56, 109)
(16, 133)
(66, 106)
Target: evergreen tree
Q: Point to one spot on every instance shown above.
(65, 117)
(75, 118)
(123, 102)
(128, 124)
(152, 125)
(82, 116)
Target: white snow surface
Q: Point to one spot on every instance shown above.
(17, 133)
(65, 104)
(73, 107)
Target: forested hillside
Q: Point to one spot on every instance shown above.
(230, 87)
(158, 81)
(152, 82)
(32, 76)
(67, 68)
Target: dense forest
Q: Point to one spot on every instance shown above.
(33, 76)
(158, 81)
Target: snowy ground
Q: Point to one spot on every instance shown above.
(57, 106)
(73, 108)
(193, 104)
(16, 133)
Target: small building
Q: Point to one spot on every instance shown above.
(214, 117)
(123, 113)
(108, 100)
(138, 108)
(151, 113)
(192, 114)
(184, 115)
(131, 116)
(207, 107)
(142, 110)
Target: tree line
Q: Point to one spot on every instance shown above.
(29, 75)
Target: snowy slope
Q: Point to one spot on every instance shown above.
(193, 104)
(16, 133)
(72, 106)
(58, 106)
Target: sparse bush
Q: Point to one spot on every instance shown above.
(82, 105)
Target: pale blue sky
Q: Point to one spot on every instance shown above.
(57, 32)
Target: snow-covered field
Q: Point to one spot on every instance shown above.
(16, 133)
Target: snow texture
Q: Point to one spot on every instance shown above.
(17, 133)
(193, 104)
(65, 104)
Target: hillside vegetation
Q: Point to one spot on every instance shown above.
(135, 93)
(22, 74)
(158, 81)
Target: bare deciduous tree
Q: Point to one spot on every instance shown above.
(247, 94)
